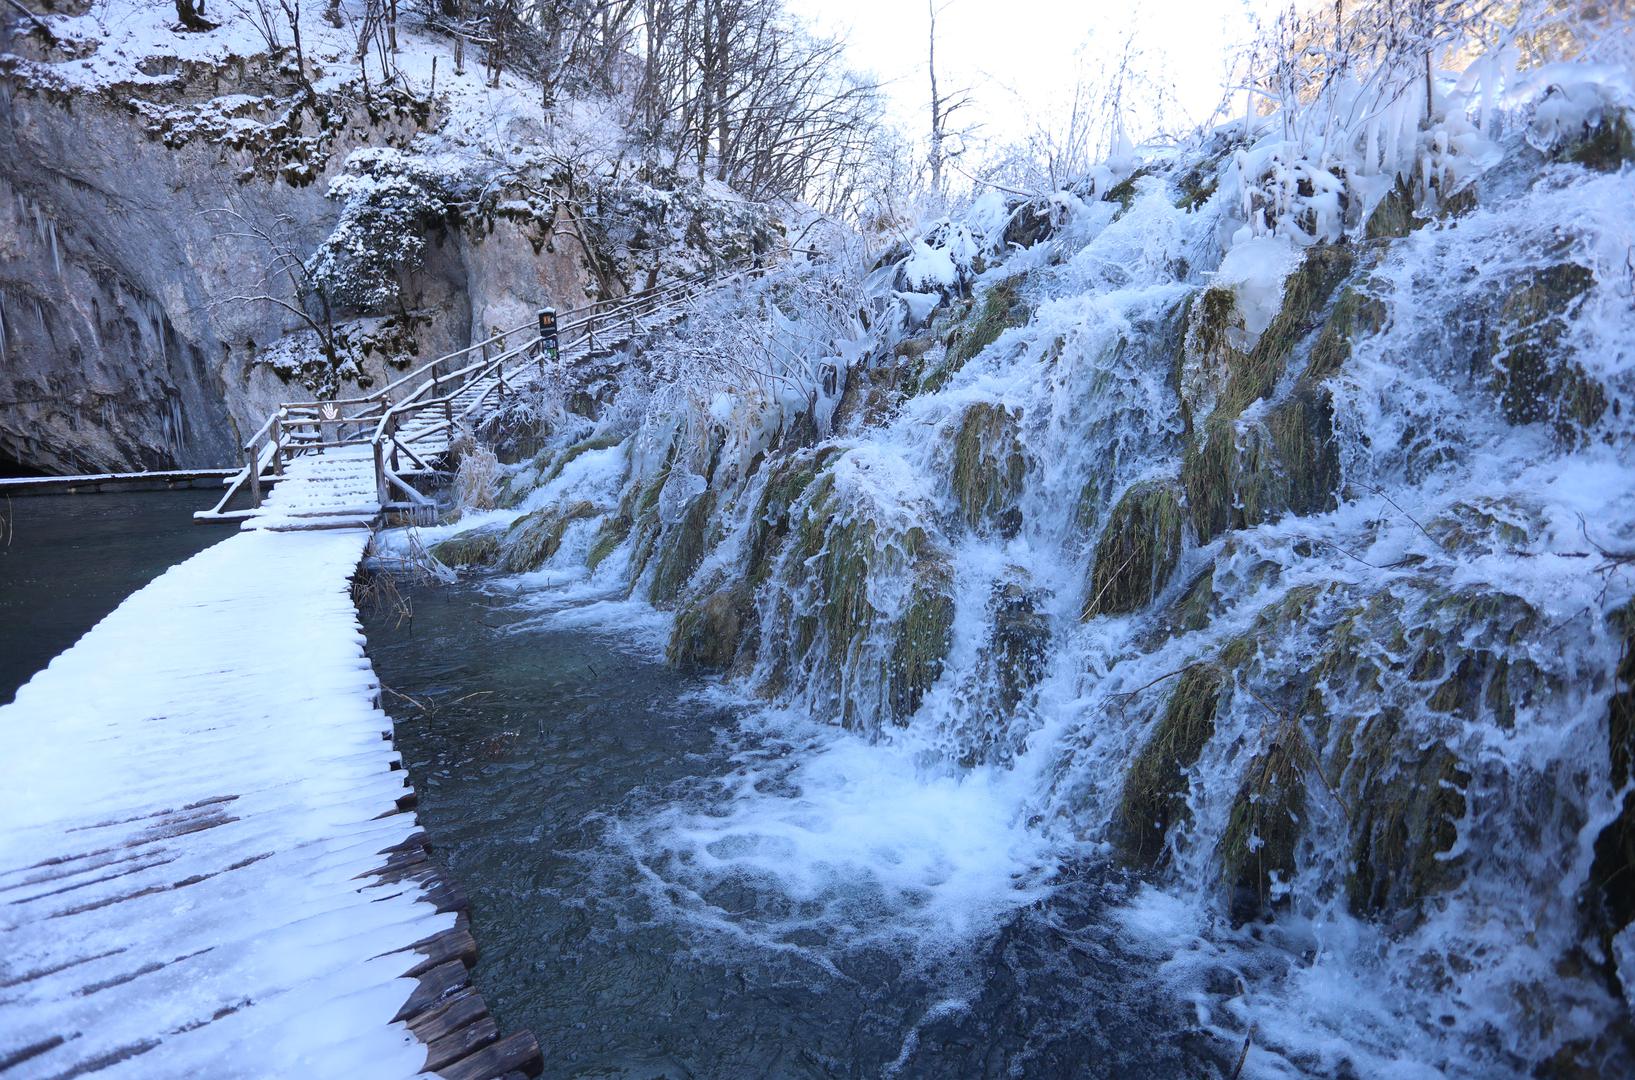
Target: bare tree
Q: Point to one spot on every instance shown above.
(943, 108)
(283, 268)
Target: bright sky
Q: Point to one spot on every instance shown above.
(1021, 58)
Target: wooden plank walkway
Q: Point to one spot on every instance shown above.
(207, 863)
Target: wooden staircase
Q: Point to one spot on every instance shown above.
(345, 463)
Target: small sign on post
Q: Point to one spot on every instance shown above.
(549, 349)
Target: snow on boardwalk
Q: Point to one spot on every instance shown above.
(191, 799)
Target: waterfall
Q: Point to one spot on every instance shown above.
(1280, 586)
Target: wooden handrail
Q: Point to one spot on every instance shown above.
(576, 329)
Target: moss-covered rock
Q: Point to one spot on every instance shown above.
(868, 606)
(1019, 642)
(1257, 850)
(924, 634)
(1610, 892)
(1240, 474)
(1138, 550)
(681, 549)
(1355, 314)
(1002, 308)
(1483, 526)
(1532, 369)
(1194, 608)
(1606, 146)
(988, 467)
(576, 451)
(1031, 223)
(1305, 295)
(614, 531)
(1211, 330)
(1155, 788)
(1123, 193)
(1406, 797)
(475, 547)
(788, 477)
(708, 631)
(1394, 217)
(534, 538)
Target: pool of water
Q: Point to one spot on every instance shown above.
(597, 807)
(66, 561)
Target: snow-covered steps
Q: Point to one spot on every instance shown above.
(334, 489)
(208, 863)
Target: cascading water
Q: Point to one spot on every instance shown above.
(1267, 588)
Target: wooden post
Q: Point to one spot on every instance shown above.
(255, 476)
(391, 433)
(277, 445)
(381, 488)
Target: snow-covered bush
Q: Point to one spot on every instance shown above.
(673, 224)
(389, 201)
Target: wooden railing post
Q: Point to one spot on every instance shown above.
(277, 445)
(254, 456)
(382, 489)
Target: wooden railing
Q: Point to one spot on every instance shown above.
(444, 393)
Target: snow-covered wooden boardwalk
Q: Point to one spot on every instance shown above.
(196, 797)
(209, 864)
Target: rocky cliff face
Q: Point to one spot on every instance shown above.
(120, 345)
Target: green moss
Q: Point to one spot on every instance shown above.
(924, 634)
(1407, 798)
(1306, 474)
(1196, 605)
(576, 451)
(1606, 147)
(988, 464)
(476, 547)
(613, 532)
(1124, 191)
(1394, 217)
(1208, 324)
(682, 550)
(1196, 189)
(534, 538)
(1138, 550)
(1239, 476)
(1257, 850)
(838, 554)
(1155, 788)
(1355, 314)
(1305, 294)
(1535, 378)
(708, 631)
(788, 477)
(641, 506)
(1002, 309)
